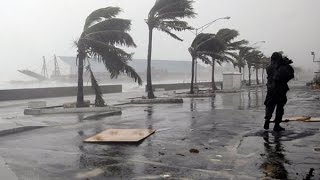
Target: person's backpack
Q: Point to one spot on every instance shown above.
(284, 73)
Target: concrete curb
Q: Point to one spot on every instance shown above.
(102, 115)
(228, 91)
(195, 95)
(157, 101)
(19, 130)
(107, 109)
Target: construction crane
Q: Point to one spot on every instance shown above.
(56, 70)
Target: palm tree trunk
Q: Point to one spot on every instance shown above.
(262, 76)
(249, 69)
(213, 84)
(244, 77)
(149, 81)
(257, 75)
(192, 76)
(80, 98)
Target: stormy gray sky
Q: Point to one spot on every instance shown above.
(31, 29)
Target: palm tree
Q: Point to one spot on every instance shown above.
(101, 34)
(241, 59)
(257, 65)
(264, 64)
(194, 51)
(165, 16)
(221, 48)
(252, 59)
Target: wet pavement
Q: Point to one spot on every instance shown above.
(204, 138)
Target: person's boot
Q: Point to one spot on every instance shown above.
(278, 128)
(266, 124)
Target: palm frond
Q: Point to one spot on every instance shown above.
(227, 35)
(204, 58)
(110, 51)
(109, 24)
(208, 43)
(113, 37)
(100, 14)
(114, 59)
(171, 9)
(168, 31)
(236, 45)
(176, 25)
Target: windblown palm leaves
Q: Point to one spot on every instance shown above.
(253, 60)
(166, 16)
(101, 35)
(221, 47)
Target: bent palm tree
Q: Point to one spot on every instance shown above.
(101, 34)
(221, 48)
(194, 51)
(252, 60)
(165, 16)
(241, 59)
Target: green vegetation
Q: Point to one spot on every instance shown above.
(101, 34)
(165, 16)
(216, 48)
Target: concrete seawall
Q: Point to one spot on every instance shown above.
(177, 86)
(20, 94)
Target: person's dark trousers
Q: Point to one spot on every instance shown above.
(279, 112)
(274, 99)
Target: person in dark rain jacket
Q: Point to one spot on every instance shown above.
(279, 74)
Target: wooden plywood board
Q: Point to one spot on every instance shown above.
(313, 119)
(297, 118)
(121, 135)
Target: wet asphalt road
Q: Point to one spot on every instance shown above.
(226, 130)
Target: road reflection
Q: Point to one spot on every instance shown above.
(273, 165)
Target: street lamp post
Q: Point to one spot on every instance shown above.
(317, 73)
(197, 31)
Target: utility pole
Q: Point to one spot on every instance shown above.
(56, 71)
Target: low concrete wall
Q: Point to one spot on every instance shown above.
(177, 86)
(20, 94)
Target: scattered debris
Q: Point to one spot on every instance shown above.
(90, 174)
(194, 151)
(179, 154)
(215, 160)
(166, 176)
(121, 135)
(300, 118)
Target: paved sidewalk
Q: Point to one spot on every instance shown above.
(5, 171)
